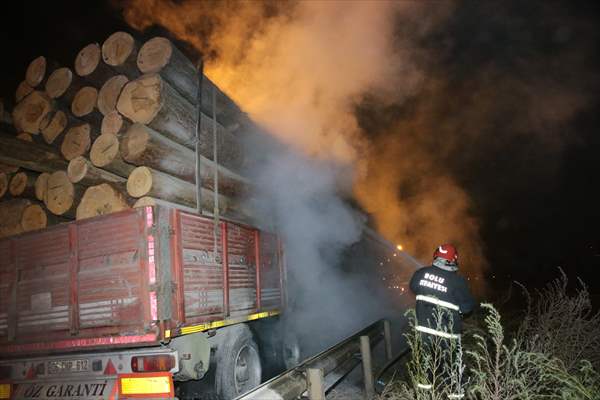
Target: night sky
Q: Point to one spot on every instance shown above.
(518, 102)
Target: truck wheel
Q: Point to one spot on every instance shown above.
(238, 366)
(290, 349)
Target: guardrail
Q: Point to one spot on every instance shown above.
(319, 373)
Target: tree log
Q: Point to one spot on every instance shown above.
(82, 171)
(84, 106)
(62, 196)
(55, 123)
(38, 71)
(4, 179)
(229, 149)
(151, 101)
(35, 157)
(22, 91)
(77, 141)
(25, 136)
(89, 65)
(41, 186)
(35, 217)
(28, 114)
(106, 154)
(101, 199)
(63, 85)
(113, 123)
(207, 202)
(8, 168)
(227, 111)
(159, 55)
(11, 214)
(109, 93)
(143, 146)
(153, 202)
(120, 52)
(144, 181)
(22, 184)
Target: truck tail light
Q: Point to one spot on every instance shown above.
(157, 385)
(5, 390)
(158, 363)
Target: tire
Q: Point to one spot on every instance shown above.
(291, 354)
(238, 364)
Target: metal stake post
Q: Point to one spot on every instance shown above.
(365, 351)
(387, 338)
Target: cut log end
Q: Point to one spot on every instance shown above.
(53, 125)
(87, 60)
(11, 213)
(139, 182)
(34, 217)
(134, 142)
(3, 184)
(109, 93)
(154, 55)
(60, 194)
(85, 101)
(145, 202)
(99, 200)
(22, 91)
(58, 82)
(41, 186)
(36, 71)
(77, 142)
(140, 100)
(28, 114)
(112, 123)
(18, 184)
(117, 48)
(104, 150)
(77, 170)
(25, 136)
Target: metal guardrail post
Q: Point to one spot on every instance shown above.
(365, 351)
(387, 338)
(316, 386)
(293, 383)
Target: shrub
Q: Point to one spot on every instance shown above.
(552, 355)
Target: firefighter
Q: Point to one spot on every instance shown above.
(442, 297)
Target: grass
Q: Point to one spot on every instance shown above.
(553, 353)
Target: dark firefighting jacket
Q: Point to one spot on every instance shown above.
(445, 291)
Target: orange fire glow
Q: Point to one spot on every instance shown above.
(300, 68)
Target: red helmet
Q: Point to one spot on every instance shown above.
(446, 257)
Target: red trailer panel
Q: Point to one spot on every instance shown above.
(219, 277)
(83, 283)
(133, 278)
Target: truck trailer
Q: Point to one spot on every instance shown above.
(130, 304)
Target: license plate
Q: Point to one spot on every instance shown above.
(66, 366)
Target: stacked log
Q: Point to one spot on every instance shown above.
(119, 130)
(109, 93)
(22, 184)
(77, 141)
(22, 90)
(120, 51)
(29, 112)
(63, 85)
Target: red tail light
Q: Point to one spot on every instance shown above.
(152, 363)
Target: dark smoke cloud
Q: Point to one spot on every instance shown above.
(504, 86)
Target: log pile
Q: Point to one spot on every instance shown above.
(121, 127)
